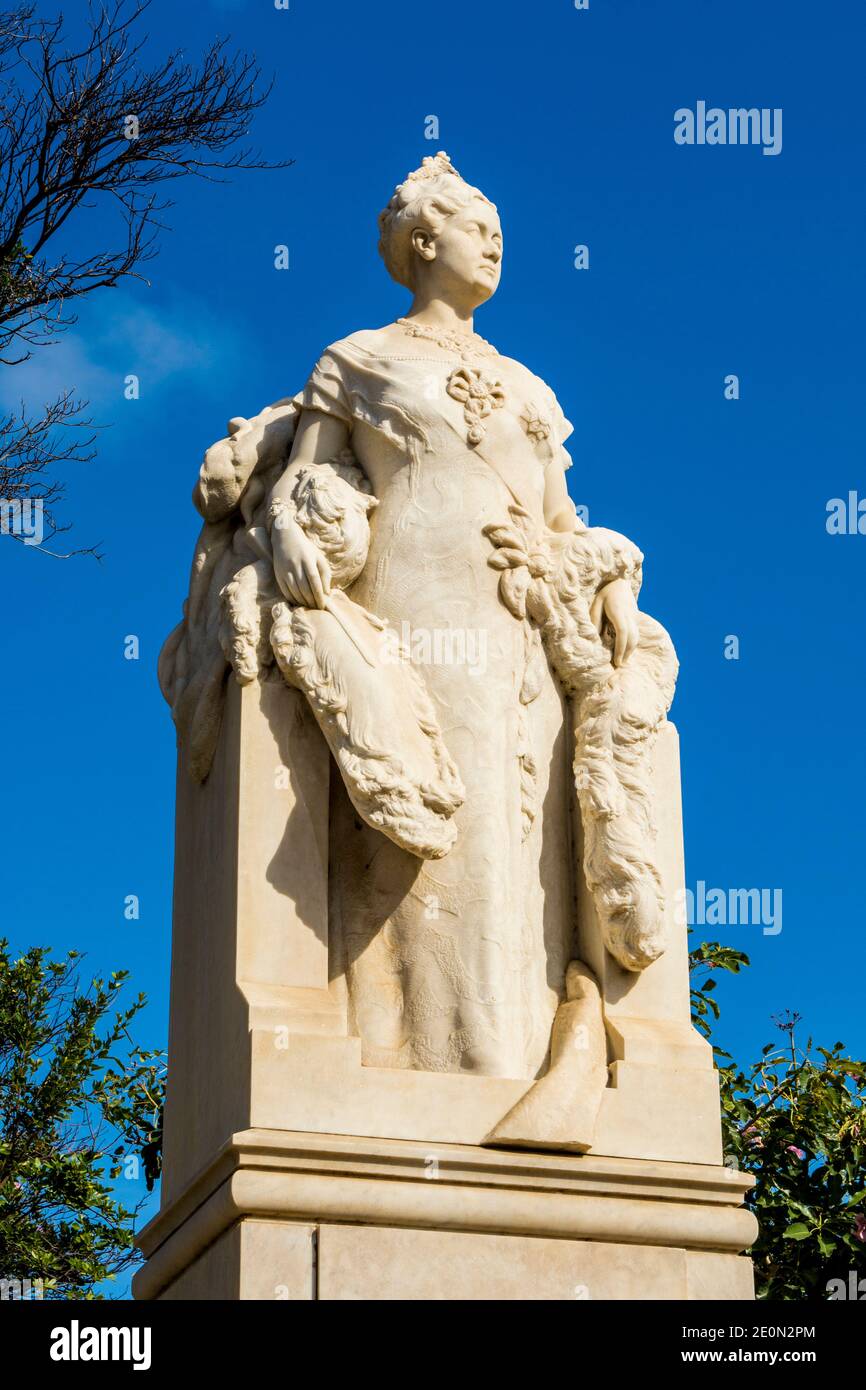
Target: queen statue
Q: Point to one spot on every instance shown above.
(398, 543)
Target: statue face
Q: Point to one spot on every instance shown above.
(462, 262)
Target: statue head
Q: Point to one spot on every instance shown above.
(439, 235)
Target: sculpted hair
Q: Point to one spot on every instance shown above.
(426, 199)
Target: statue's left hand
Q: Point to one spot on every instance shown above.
(616, 603)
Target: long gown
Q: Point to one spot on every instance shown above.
(456, 964)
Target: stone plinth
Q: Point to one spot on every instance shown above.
(292, 1171)
(281, 1215)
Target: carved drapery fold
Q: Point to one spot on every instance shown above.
(551, 580)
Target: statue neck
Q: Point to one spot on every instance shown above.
(437, 313)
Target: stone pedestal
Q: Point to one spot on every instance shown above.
(292, 1172)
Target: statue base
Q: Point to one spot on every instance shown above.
(294, 1171)
(309, 1216)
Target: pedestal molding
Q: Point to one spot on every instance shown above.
(311, 1178)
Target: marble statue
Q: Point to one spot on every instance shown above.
(398, 543)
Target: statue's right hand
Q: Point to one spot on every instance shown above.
(301, 570)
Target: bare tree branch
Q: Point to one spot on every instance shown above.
(30, 450)
(92, 127)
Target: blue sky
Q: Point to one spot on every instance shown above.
(704, 261)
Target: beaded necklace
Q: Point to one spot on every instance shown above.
(463, 344)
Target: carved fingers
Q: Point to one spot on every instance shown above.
(617, 604)
(301, 570)
(316, 583)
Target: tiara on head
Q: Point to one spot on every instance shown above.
(432, 166)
